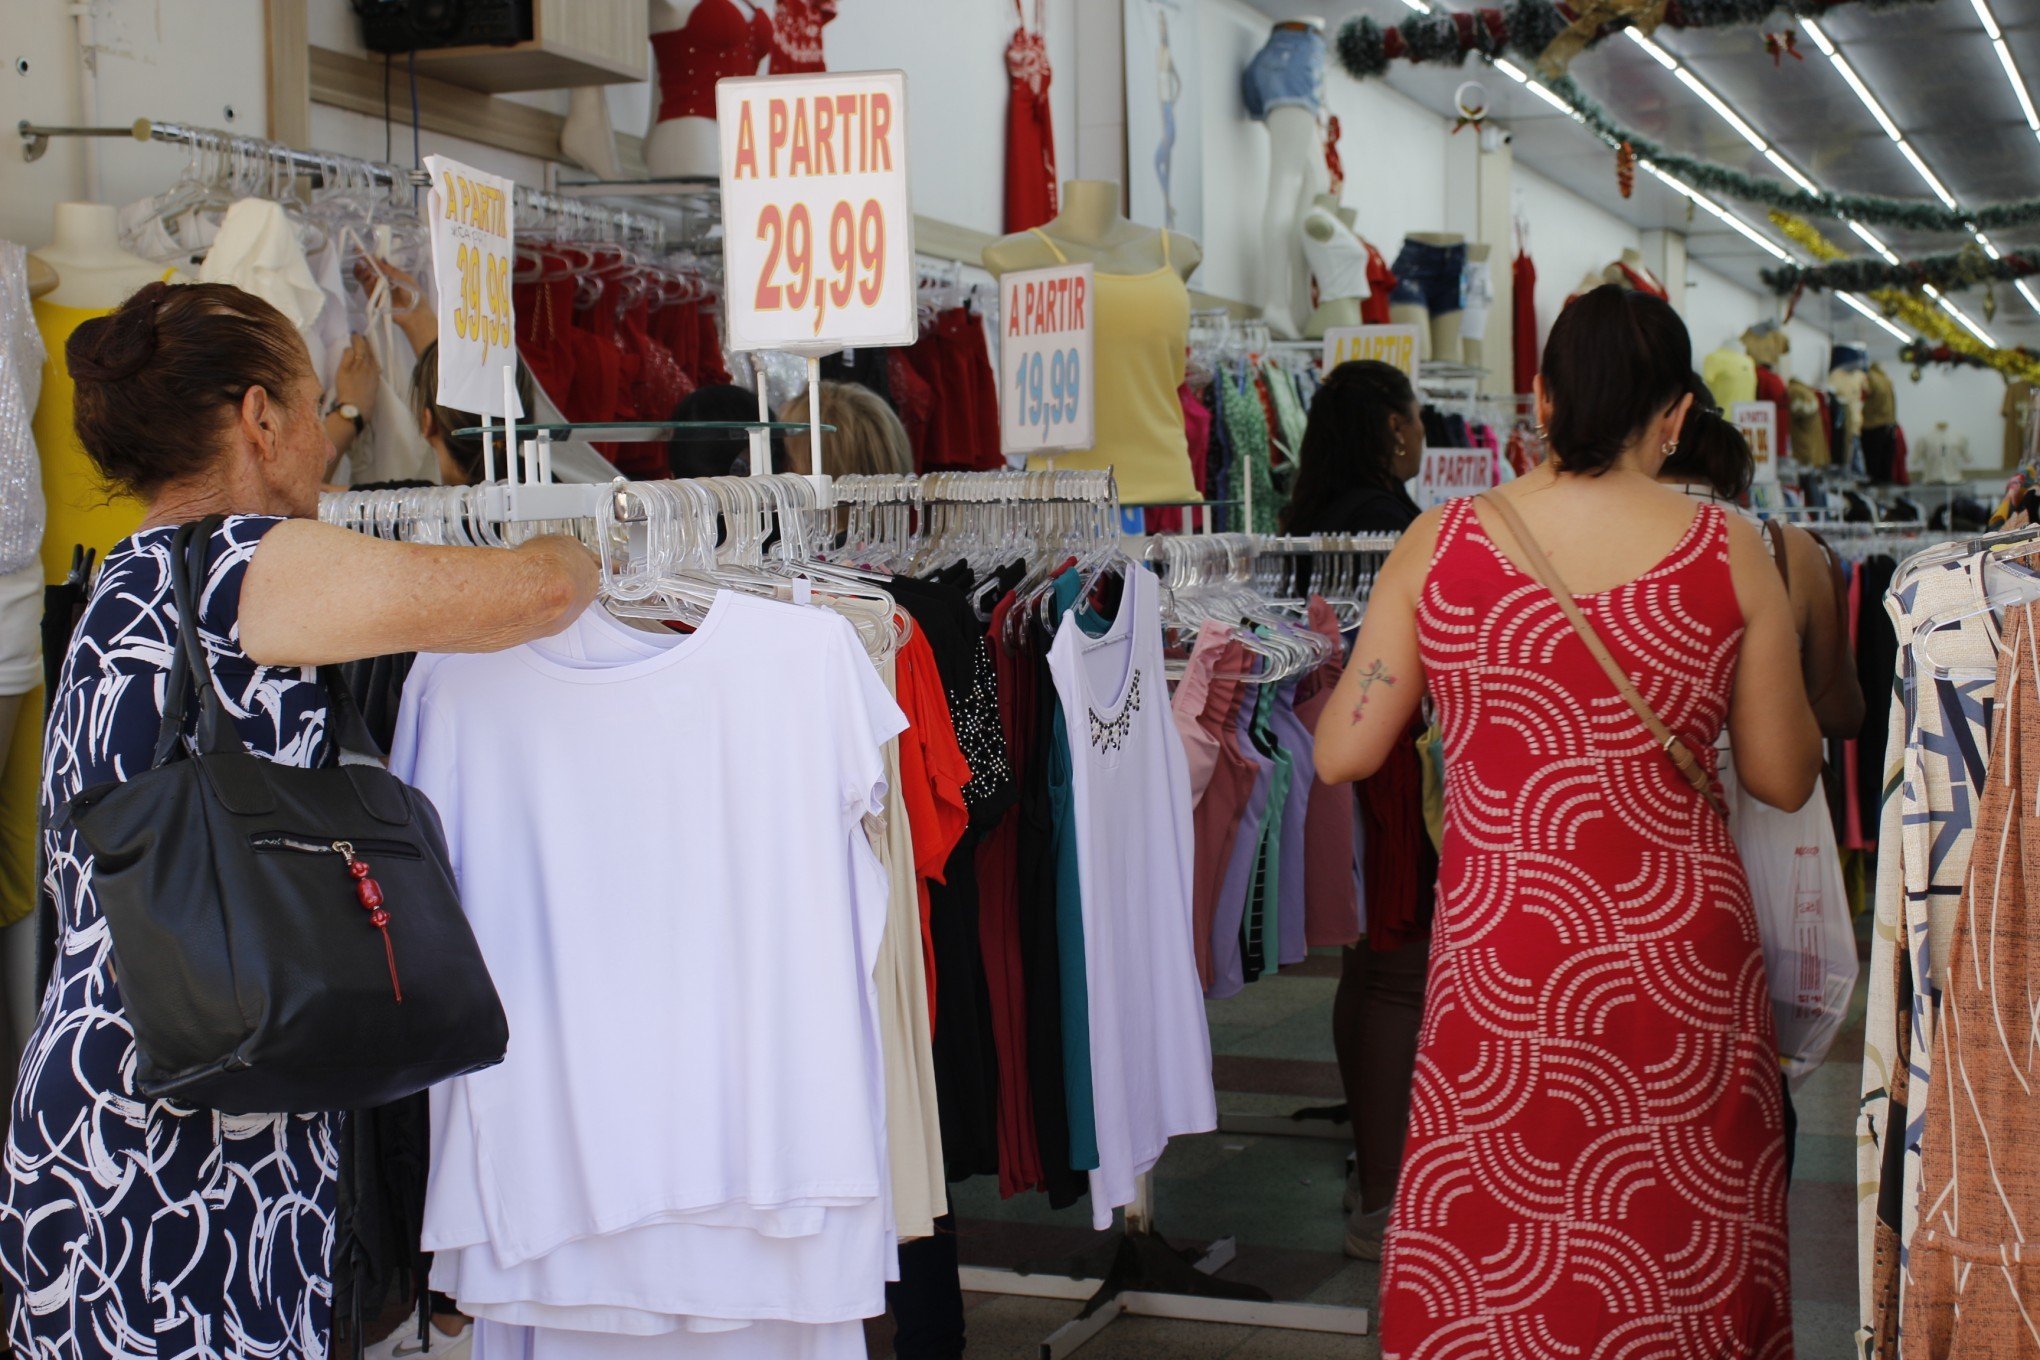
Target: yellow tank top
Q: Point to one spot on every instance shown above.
(1142, 334)
(81, 508)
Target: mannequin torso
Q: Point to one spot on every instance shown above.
(1338, 260)
(1090, 230)
(695, 43)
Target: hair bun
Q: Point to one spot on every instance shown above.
(115, 347)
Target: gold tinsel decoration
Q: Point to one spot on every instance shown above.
(1625, 169)
(1912, 310)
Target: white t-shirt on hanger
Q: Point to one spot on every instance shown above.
(659, 842)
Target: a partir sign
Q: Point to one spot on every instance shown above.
(818, 248)
(1758, 421)
(471, 213)
(1447, 474)
(1394, 345)
(1045, 382)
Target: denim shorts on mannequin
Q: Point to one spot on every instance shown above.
(1289, 69)
(1429, 276)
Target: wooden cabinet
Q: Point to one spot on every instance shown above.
(574, 42)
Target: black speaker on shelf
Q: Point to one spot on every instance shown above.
(399, 26)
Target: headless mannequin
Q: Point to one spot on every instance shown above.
(93, 272)
(1437, 333)
(677, 147)
(1634, 259)
(1296, 176)
(1325, 223)
(1477, 252)
(1091, 230)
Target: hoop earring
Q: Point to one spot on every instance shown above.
(1669, 447)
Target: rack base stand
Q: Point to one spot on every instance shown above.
(1144, 1276)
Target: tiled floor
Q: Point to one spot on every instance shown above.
(1279, 1198)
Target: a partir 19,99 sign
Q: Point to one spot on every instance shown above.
(818, 249)
(1045, 381)
(472, 241)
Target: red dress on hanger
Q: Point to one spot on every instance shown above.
(1523, 279)
(720, 38)
(1030, 129)
(1595, 1164)
(797, 36)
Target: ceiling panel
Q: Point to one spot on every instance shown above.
(1931, 65)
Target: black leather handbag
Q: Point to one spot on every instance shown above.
(285, 940)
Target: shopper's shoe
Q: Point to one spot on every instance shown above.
(1364, 1232)
(402, 1344)
(1352, 1197)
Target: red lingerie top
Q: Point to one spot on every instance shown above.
(720, 38)
(797, 36)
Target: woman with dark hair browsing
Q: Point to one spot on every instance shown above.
(1364, 440)
(1595, 1159)
(134, 1226)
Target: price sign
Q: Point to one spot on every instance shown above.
(1045, 378)
(1758, 421)
(818, 230)
(470, 211)
(1447, 474)
(1395, 345)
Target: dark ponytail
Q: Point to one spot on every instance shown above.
(160, 378)
(1711, 449)
(1615, 360)
(1348, 443)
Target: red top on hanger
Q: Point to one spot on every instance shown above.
(797, 36)
(720, 38)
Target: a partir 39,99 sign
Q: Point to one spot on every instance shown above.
(818, 249)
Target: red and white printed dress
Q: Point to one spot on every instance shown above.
(1595, 1165)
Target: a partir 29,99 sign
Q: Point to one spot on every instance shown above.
(818, 249)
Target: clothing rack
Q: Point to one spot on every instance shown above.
(321, 166)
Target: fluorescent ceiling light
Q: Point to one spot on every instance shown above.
(1989, 24)
(1511, 70)
(1875, 315)
(1940, 189)
(2004, 55)
(1855, 81)
(1790, 170)
(1720, 106)
(1875, 244)
(1658, 54)
(2026, 292)
(1820, 39)
(1420, 6)
(1960, 315)
(1988, 248)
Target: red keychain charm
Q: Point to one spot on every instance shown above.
(370, 894)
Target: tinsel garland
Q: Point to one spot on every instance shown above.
(1722, 181)
(1912, 310)
(1950, 271)
(1525, 28)
(1922, 352)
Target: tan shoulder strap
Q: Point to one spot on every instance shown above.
(1681, 755)
(1780, 550)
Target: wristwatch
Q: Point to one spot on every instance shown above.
(352, 413)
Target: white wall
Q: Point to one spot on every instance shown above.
(1969, 399)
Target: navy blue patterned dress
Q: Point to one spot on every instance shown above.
(134, 1228)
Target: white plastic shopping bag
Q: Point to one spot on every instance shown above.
(1803, 916)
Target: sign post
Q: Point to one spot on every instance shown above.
(1395, 345)
(1046, 382)
(818, 226)
(473, 241)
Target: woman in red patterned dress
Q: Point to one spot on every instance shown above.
(1594, 1164)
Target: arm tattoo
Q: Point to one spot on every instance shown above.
(1368, 678)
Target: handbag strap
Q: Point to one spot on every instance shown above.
(1680, 754)
(1779, 551)
(190, 552)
